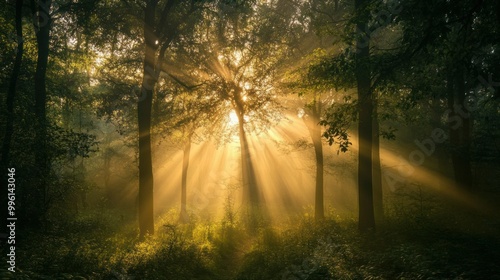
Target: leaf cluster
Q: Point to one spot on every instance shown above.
(338, 118)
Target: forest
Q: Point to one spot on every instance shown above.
(250, 140)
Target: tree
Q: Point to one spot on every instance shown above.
(161, 28)
(238, 57)
(378, 195)
(42, 25)
(183, 112)
(318, 30)
(316, 95)
(11, 93)
(357, 63)
(458, 42)
(318, 114)
(34, 105)
(314, 111)
(365, 110)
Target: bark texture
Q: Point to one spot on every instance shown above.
(365, 133)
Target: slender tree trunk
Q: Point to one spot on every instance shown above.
(184, 217)
(441, 154)
(42, 28)
(251, 195)
(82, 191)
(9, 126)
(107, 173)
(464, 164)
(11, 94)
(460, 138)
(249, 181)
(454, 135)
(319, 209)
(312, 124)
(365, 108)
(468, 179)
(146, 222)
(378, 194)
(145, 198)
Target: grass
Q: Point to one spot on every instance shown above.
(98, 245)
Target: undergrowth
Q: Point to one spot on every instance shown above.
(98, 245)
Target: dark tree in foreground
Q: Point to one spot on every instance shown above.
(365, 110)
(145, 196)
(11, 93)
(378, 194)
(42, 25)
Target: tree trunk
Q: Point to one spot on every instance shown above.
(251, 196)
(378, 194)
(440, 153)
(146, 222)
(9, 126)
(82, 191)
(107, 173)
(365, 108)
(11, 94)
(464, 164)
(460, 138)
(42, 28)
(145, 197)
(312, 124)
(319, 209)
(184, 217)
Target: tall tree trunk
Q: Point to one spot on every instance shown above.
(82, 191)
(312, 124)
(251, 195)
(11, 94)
(9, 126)
(184, 217)
(145, 198)
(146, 222)
(319, 209)
(441, 154)
(107, 174)
(464, 164)
(365, 108)
(378, 194)
(460, 138)
(42, 28)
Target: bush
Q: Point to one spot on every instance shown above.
(96, 245)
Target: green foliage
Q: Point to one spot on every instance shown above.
(98, 245)
(335, 71)
(338, 119)
(69, 145)
(335, 250)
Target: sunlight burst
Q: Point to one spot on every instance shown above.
(233, 118)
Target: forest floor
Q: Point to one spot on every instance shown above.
(451, 244)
